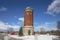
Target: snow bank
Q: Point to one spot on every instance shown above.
(33, 37)
(44, 37)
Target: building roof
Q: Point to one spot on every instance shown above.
(28, 8)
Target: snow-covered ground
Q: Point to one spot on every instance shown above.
(32, 37)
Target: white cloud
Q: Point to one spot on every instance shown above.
(5, 26)
(3, 9)
(2, 25)
(46, 26)
(54, 8)
(21, 19)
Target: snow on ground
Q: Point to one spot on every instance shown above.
(33, 37)
(44, 37)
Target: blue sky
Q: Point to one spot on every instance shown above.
(46, 12)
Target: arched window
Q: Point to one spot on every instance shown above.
(29, 32)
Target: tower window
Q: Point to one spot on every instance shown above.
(29, 32)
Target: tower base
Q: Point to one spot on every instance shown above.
(28, 30)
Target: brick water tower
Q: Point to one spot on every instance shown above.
(28, 22)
